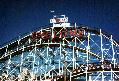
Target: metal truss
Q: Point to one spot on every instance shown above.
(61, 54)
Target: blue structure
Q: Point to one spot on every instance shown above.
(61, 53)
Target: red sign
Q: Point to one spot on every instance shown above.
(63, 33)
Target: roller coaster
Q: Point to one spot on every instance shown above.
(61, 52)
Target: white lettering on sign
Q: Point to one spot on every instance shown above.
(59, 20)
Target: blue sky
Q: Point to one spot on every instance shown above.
(20, 16)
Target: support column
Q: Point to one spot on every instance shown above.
(6, 53)
(113, 52)
(113, 58)
(88, 50)
(102, 54)
(21, 59)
